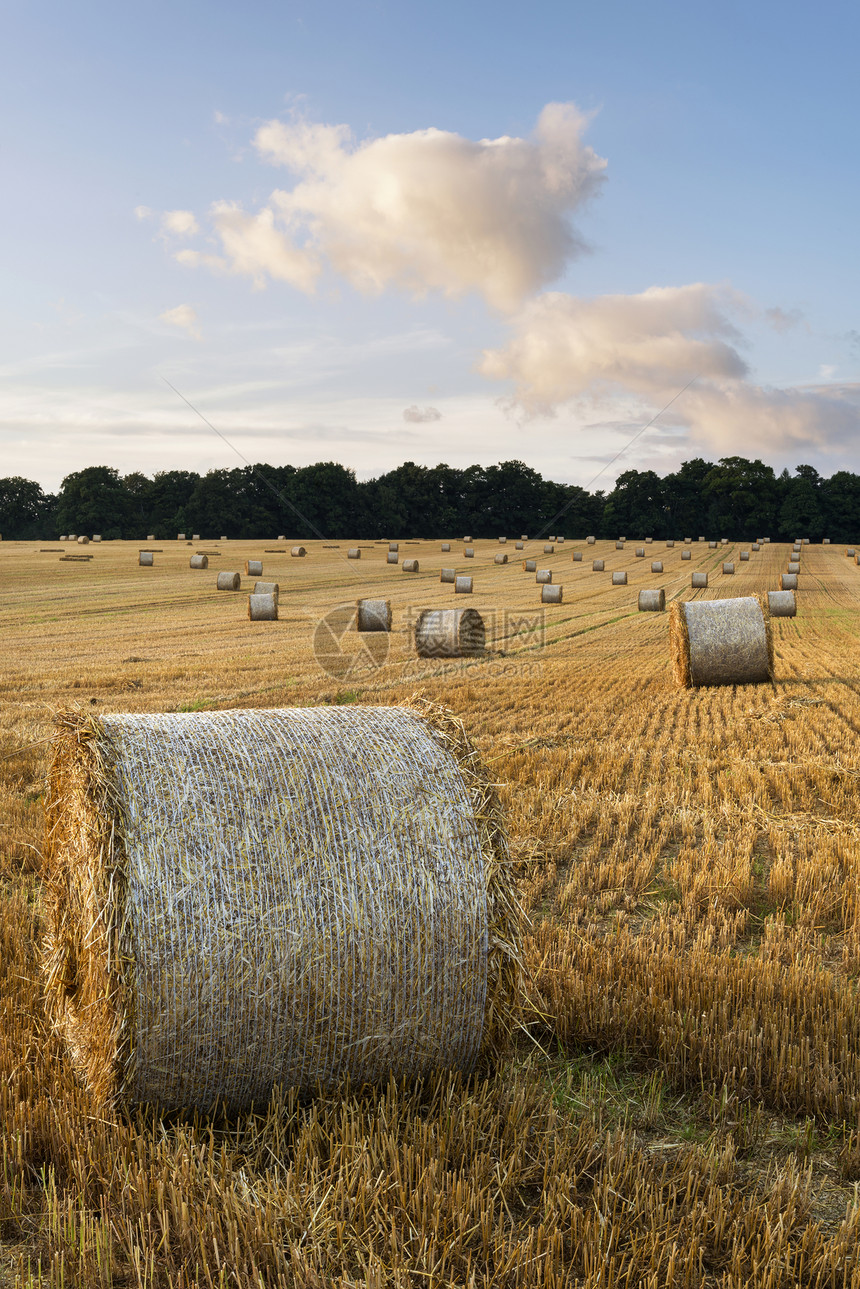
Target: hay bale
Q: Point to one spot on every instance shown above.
(560, 541)
(850, 552)
(652, 601)
(222, 538)
(597, 566)
(449, 633)
(410, 566)
(267, 588)
(744, 556)
(145, 559)
(551, 594)
(254, 567)
(502, 541)
(755, 546)
(298, 551)
(622, 539)
(670, 544)
(721, 642)
(529, 565)
(724, 541)
(229, 582)
(543, 575)
(793, 566)
(519, 546)
(263, 608)
(805, 541)
(699, 581)
(199, 561)
(195, 537)
(686, 554)
(656, 566)
(781, 604)
(446, 547)
(825, 541)
(619, 546)
(73, 537)
(576, 557)
(447, 575)
(640, 552)
(687, 541)
(500, 558)
(394, 546)
(728, 567)
(649, 541)
(589, 541)
(619, 579)
(180, 537)
(551, 538)
(462, 584)
(97, 537)
(83, 541)
(150, 537)
(356, 918)
(373, 615)
(467, 540)
(548, 549)
(469, 553)
(712, 546)
(703, 539)
(391, 557)
(524, 537)
(354, 552)
(788, 582)
(64, 538)
(281, 537)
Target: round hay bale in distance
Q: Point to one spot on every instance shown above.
(781, 604)
(467, 540)
(263, 608)
(670, 544)
(589, 541)
(619, 579)
(469, 552)
(619, 546)
(850, 552)
(788, 582)
(346, 922)
(502, 541)
(551, 594)
(410, 566)
(180, 537)
(501, 558)
(254, 567)
(354, 552)
(83, 541)
(686, 554)
(712, 546)
(394, 546)
(728, 567)
(755, 546)
(656, 566)
(649, 541)
(446, 547)
(145, 559)
(449, 633)
(229, 582)
(653, 601)
(825, 541)
(597, 565)
(699, 581)
(744, 556)
(150, 537)
(639, 552)
(529, 565)
(793, 566)
(576, 557)
(199, 561)
(297, 552)
(518, 546)
(543, 576)
(447, 575)
(373, 615)
(721, 642)
(267, 588)
(391, 557)
(462, 584)
(548, 549)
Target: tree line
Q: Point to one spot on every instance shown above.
(733, 497)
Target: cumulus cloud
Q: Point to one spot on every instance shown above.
(425, 211)
(183, 316)
(181, 223)
(421, 415)
(563, 350)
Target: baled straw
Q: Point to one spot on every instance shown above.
(656, 566)
(410, 566)
(180, 537)
(560, 541)
(794, 566)
(254, 567)
(502, 541)
(755, 546)
(703, 539)
(97, 537)
(550, 538)
(150, 537)
(850, 552)
(263, 608)
(788, 582)
(589, 541)
(619, 546)
(649, 541)
(724, 541)
(469, 553)
(145, 559)
(391, 557)
(825, 541)
(687, 540)
(195, 537)
(518, 546)
(199, 561)
(728, 567)
(597, 566)
(524, 537)
(712, 546)
(462, 584)
(394, 546)
(640, 552)
(551, 594)
(500, 559)
(622, 539)
(373, 615)
(222, 538)
(652, 601)
(354, 552)
(242, 899)
(548, 548)
(576, 557)
(449, 633)
(619, 579)
(467, 540)
(744, 556)
(73, 537)
(446, 547)
(686, 554)
(447, 574)
(670, 544)
(543, 576)
(229, 582)
(781, 604)
(267, 588)
(529, 565)
(721, 642)
(699, 581)
(298, 551)
(83, 541)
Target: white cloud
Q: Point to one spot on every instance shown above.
(421, 415)
(143, 212)
(183, 316)
(565, 351)
(181, 223)
(426, 211)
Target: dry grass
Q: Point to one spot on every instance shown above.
(685, 1110)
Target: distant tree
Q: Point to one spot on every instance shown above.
(802, 513)
(840, 499)
(169, 497)
(93, 501)
(743, 499)
(25, 510)
(637, 505)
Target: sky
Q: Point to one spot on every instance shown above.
(470, 233)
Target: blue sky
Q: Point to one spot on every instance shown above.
(377, 293)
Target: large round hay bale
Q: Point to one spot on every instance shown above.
(354, 552)
(551, 594)
(263, 608)
(699, 581)
(469, 552)
(728, 567)
(619, 546)
(755, 546)
(649, 541)
(686, 554)
(640, 552)
(788, 582)
(150, 537)
(529, 565)
(97, 537)
(447, 575)
(576, 557)
(297, 552)
(254, 567)
(267, 588)
(619, 579)
(446, 547)
(180, 537)
(744, 556)
(805, 541)
(589, 541)
(83, 541)
(712, 546)
(502, 541)
(543, 576)
(500, 558)
(656, 566)
(652, 601)
(793, 566)
(462, 584)
(597, 565)
(145, 559)
(199, 561)
(449, 633)
(850, 552)
(551, 538)
(560, 541)
(687, 540)
(721, 642)
(373, 615)
(548, 549)
(391, 557)
(825, 541)
(356, 918)
(518, 546)
(670, 544)
(467, 540)
(229, 582)
(524, 537)
(394, 546)
(781, 604)
(281, 537)
(410, 566)
(724, 541)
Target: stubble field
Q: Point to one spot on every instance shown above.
(683, 1107)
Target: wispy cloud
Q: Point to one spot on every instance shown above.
(183, 316)
(421, 415)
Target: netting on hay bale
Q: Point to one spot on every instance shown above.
(721, 642)
(449, 633)
(241, 899)
(373, 615)
(788, 582)
(781, 604)
(551, 594)
(254, 567)
(543, 575)
(145, 559)
(229, 582)
(199, 561)
(652, 601)
(462, 584)
(263, 608)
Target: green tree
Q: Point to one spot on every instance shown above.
(93, 501)
(25, 510)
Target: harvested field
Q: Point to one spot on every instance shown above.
(684, 1107)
